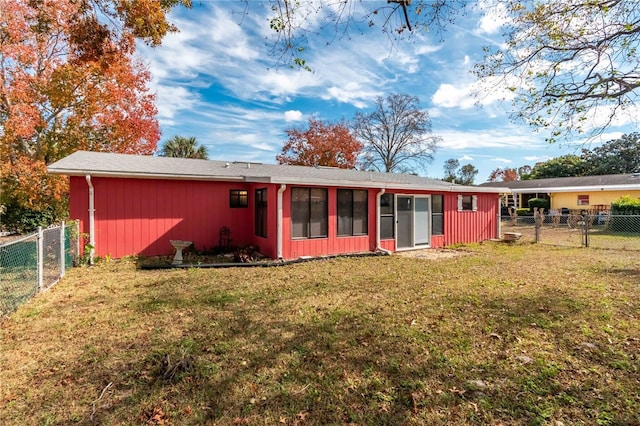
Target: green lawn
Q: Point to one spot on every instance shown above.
(503, 334)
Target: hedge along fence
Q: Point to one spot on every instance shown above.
(623, 211)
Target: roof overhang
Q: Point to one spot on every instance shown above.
(586, 188)
(281, 180)
(142, 175)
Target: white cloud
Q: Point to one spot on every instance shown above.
(466, 158)
(502, 160)
(536, 158)
(493, 18)
(293, 115)
(506, 137)
(449, 96)
(170, 100)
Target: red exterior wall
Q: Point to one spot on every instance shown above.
(459, 226)
(268, 245)
(470, 226)
(332, 244)
(141, 216)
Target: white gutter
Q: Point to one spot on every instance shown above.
(279, 222)
(499, 216)
(625, 187)
(92, 241)
(142, 175)
(378, 247)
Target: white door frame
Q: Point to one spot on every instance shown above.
(413, 222)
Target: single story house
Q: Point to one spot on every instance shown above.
(589, 193)
(134, 205)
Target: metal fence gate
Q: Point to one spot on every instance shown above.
(35, 263)
(604, 231)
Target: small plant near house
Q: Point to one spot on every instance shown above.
(247, 254)
(539, 203)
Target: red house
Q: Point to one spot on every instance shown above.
(130, 205)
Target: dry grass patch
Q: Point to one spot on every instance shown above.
(517, 335)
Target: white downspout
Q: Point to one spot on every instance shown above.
(499, 216)
(92, 240)
(279, 222)
(378, 247)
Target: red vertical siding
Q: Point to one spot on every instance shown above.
(136, 216)
(332, 244)
(268, 246)
(470, 226)
(140, 216)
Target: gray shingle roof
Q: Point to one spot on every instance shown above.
(81, 163)
(611, 182)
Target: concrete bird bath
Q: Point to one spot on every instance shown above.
(179, 245)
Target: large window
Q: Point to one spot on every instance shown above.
(387, 218)
(238, 198)
(437, 215)
(352, 212)
(261, 212)
(309, 213)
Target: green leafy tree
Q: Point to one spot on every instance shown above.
(614, 157)
(524, 172)
(181, 147)
(564, 166)
(572, 64)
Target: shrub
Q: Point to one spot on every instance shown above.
(523, 212)
(23, 220)
(539, 203)
(625, 206)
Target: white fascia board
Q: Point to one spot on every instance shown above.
(142, 175)
(387, 185)
(481, 189)
(592, 188)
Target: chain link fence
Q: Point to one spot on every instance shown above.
(35, 263)
(604, 231)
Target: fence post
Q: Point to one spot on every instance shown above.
(40, 257)
(538, 218)
(63, 243)
(587, 219)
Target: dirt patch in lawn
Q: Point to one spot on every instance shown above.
(432, 254)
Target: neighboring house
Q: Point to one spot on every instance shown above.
(590, 193)
(131, 205)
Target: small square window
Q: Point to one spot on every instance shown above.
(583, 200)
(238, 198)
(467, 203)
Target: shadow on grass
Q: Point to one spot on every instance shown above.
(263, 361)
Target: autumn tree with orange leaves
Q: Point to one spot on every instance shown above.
(321, 144)
(69, 81)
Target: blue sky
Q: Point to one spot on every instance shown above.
(216, 80)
